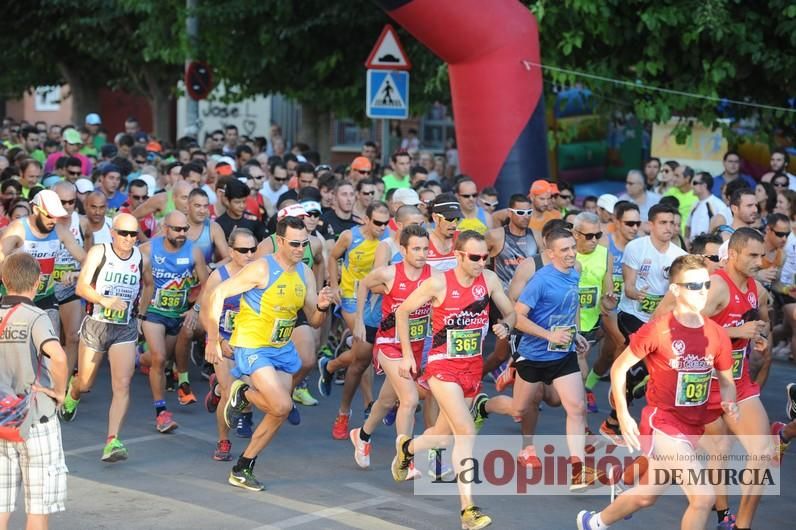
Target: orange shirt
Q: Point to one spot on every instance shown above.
(537, 223)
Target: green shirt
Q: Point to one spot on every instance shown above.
(687, 201)
(594, 267)
(393, 182)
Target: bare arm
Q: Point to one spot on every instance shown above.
(494, 241)
(430, 290)
(147, 281)
(265, 247)
(382, 256)
(629, 281)
(152, 205)
(88, 235)
(522, 276)
(69, 242)
(219, 241)
(621, 365)
(318, 263)
(58, 368)
(337, 252)
(12, 239)
(316, 306)
(500, 299)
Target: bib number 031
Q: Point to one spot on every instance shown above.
(692, 388)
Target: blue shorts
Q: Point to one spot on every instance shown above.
(249, 360)
(171, 324)
(349, 305)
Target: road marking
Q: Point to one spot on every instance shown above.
(100, 447)
(345, 514)
(393, 497)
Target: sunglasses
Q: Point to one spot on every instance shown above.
(475, 258)
(281, 180)
(44, 213)
(695, 286)
(218, 138)
(697, 182)
(363, 171)
(454, 220)
(295, 243)
(323, 167)
(68, 203)
(631, 224)
(565, 196)
(589, 237)
(245, 250)
(489, 204)
(781, 234)
(140, 161)
(258, 177)
(712, 257)
(780, 184)
(521, 213)
(314, 213)
(367, 193)
(139, 197)
(468, 196)
(74, 173)
(126, 233)
(380, 223)
(179, 228)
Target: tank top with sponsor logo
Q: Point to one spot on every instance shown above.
(64, 261)
(515, 250)
(459, 325)
(741, 308)
(116, 277)
(402, 287)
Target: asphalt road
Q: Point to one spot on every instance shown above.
(170, 481)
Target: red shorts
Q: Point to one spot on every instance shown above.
(464, 372)
(745, 389)
(668, 423)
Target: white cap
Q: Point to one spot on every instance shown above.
(406, 196)
(151, 184)
(607, 201)
(49, 201)
(84, 186)
(311, 206)
(294, 210)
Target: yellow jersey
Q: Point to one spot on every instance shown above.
(268, 315)
(358, 262)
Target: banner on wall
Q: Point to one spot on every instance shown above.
(703, 150)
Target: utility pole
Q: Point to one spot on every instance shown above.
(191, 105)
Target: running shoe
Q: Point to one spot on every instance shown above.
(790, 407)
(640, 388)
(400, 464)
(325, 378)
(171, 380)
(412, 474)
(339, 377)
(779, 444)
(437, 469)
(340, 427)
(476, 411)
(68, 410)
(368, 409)
(293, 417)
(591, 402)
(326, 351)
(389, 418)
(301, 395)
(184, 394)
(223, 452)
(245, 479)
(236, 402)
(361, 449)
(114, 451)
(506, 378)
(207, 371)
(473, 518)
(165, 422)
(243, 427)
(613, 433)
(528, 458)
(586, 477)
(584, 519)
(212, 399)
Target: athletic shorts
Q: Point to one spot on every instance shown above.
(65, 293)
(39, 463)
(666, 422)
(301, 319)
(547, 371)
(393, 351)
(591, 335)
(628, 324)
(464, 372)
(100, 336)
(745, 389)
(349, 305)
(249, 360)
(171, 324)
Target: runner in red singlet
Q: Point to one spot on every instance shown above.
(460, 322)
(446, 213)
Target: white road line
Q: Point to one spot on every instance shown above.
(413, 503)
(345, 514)
(100, 447)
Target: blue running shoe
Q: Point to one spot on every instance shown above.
(294, 417)
(584, 520)
(389, 419)
(244, 427)
(325, 378)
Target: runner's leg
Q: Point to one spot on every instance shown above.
(71, 317)
(573, 399)
(122, 361)
(305, 345)
(273, 387)
(155, 335)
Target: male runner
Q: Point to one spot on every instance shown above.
(682, 350)
(112, 278)
(243, 246)
(358, 245)
(67, 269)
(445, 214)
(473, 216)
(273, 290)
(204, 232)
(41, 235)
(95, 206)
(396, 283)
(645, 272)
(177, 266)
(460, 321)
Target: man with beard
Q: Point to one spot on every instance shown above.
(206, 234)
(445, 214)
(96, 204)
(177, 266)
(110, 283)
(40, 235)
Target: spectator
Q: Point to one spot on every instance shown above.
(637, 193)
(732, 171)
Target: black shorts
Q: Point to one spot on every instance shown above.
(301, 319)
(547, 371)
(783, 299)
(370, 334)
(628, 324)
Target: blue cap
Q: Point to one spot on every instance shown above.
(93, 119)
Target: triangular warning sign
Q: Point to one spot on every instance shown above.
(388, 54)
(387, 96)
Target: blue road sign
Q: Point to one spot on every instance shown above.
(387, 94)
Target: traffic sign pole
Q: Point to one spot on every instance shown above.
(191, 105)
(385, 142)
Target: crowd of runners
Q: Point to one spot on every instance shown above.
(680, 292)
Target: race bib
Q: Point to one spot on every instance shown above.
(170, 299)
(618, 282)
(283, 329)
(418, 329)
(692, 388)
(737, 363)
(60, 272)
(44, 284)
(464, 342)
(228, 324)
(116, 317)
(588, 297)
(650, 303)
(562, 347)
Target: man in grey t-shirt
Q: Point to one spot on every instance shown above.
(33, 362)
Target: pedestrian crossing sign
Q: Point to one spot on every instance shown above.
(387, 94)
